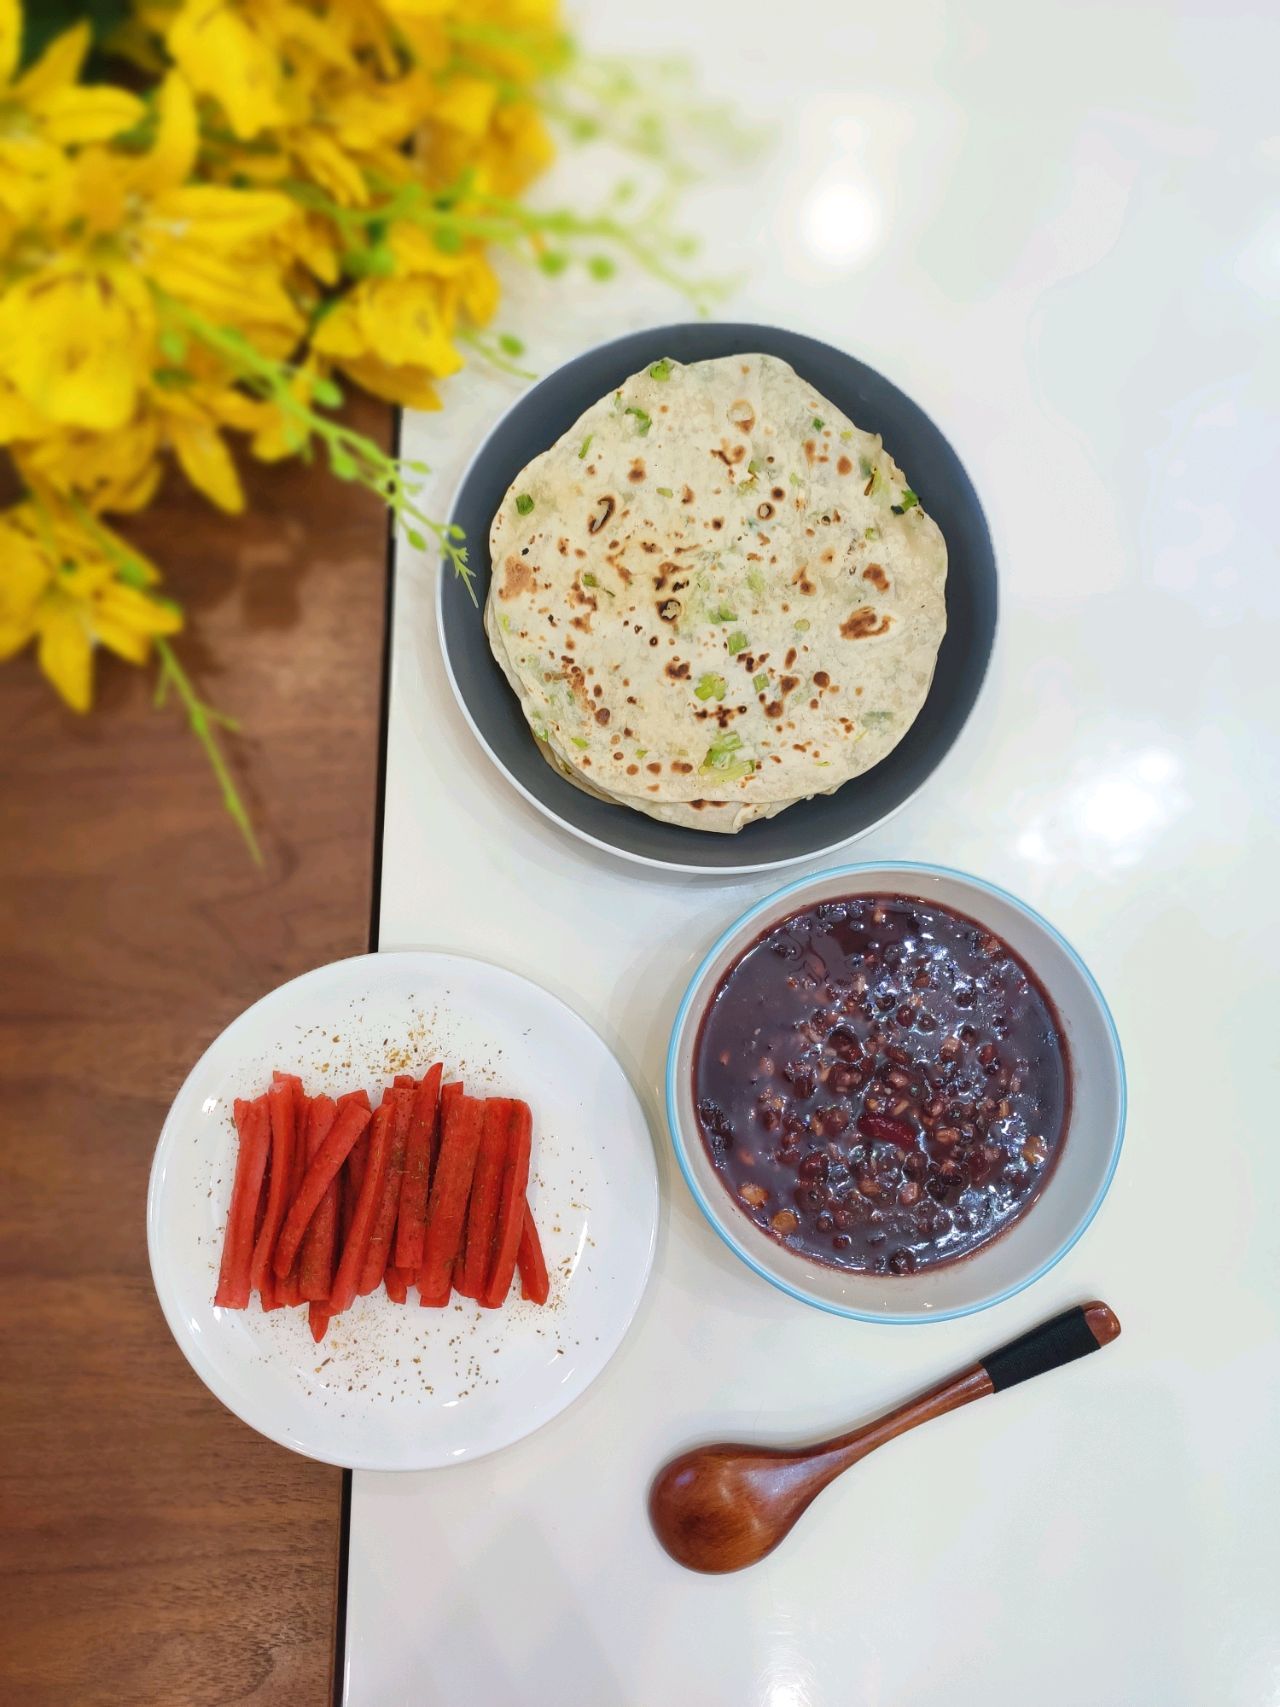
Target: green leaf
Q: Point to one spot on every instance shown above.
(737, 643)
(664, 491)
(661, 370)
(524, 503)
(510, 343)
(342, 465)
(643, 420)
(585, 447)
(711, 687)
(328, 393)
(602, 267)
(760, 682)
(415, 539)
(173, 345)
(449, 240)
(47, 20)
(553, 262)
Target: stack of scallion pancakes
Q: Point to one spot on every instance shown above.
(715, 595)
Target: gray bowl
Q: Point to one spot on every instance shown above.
(811, 827)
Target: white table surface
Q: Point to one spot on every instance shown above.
(1055, 226)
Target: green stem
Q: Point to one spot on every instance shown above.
(201, 719)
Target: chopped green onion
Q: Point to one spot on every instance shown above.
(720, 752)
(846, 436)
(586, 446)
(664, 491)
(802, 627)
(737, 643)
(710, 687)
(794, 479)
(578, 741)
(641, 752)
(755, 465)
(722, 613)
(505, 620)
(909, 499)
(865, 467)
(643, 421)
(589, 580)
(756, 581)
(875, 483)
(524, 503)
(872, 533)
(660, 370)
(818, 423)
(760, 682)
(877, 717)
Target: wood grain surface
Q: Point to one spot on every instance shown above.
(152, 1548)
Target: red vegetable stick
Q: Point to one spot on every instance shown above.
(346, 1128)
(318, 1320)
(534, 1284)
(290, 1287)
(405, 1082)
(347, 1280)
(470, 1274)
(253, 1130)
(411, 1224)
(446, 1217)
(515, 1179)
(315, 1256)
(397, 1280)
(384, 1224)
(280, 1099)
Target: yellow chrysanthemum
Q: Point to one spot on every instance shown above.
(62, 589)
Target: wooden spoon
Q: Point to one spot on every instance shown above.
(719, 1508)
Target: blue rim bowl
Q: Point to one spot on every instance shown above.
(1059, 1217)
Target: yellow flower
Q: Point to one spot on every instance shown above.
(61, 587)
(391, 336)
(225, 56)
(78, 333)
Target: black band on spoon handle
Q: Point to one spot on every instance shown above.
(1075, 1333)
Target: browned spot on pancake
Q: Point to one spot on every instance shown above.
(764, 511)
(821, 679)
(809, 450)
(602, 514)
(582, 624)
(562, 546)
(517, 578)
(876, 575)
(778, 493)
(844, 466)
(828, 555)
(620, 570)
(811, 533)
(813, 705)
(602, 716)
(774, 708)
(682, 766)
(730, 455)
(578, 551)
(786, 683)
(636, 471)
(648, 545)
(742, 414)
(633, 770)
(653, 640)
(677, 669)
(586, 760)
(717, 523)
(790, 658)
(617, 756)
(686, 497)
(669, 610)
(862, 623)
(654, 769)
(801, 579)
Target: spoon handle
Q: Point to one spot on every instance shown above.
(1075, 1333)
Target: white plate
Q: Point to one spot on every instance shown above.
(397, 1387)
